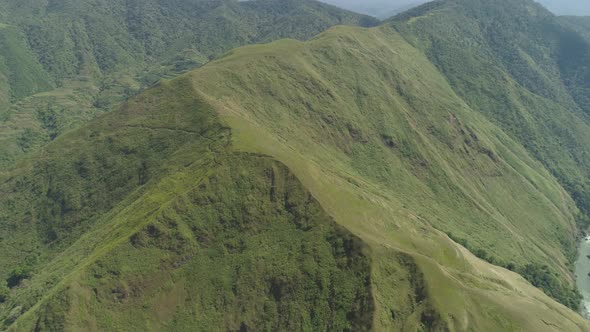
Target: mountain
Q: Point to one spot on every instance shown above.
(528, 77)
(341, 183)
(378, 8)
(387, 8)
(63, 62)
(581, 24)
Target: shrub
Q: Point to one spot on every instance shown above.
(4, 293)
(538, 275)
(17, 275)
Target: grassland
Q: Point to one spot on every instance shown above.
(527, 77)
(288, 185)
(398, 144)
(66, 62)
(343, 183)
(92, 226)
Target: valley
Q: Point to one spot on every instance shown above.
(295, 167)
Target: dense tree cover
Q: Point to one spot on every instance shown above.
(239, 234)
(90, 55)
(297, 185)
(524, 69)
(4, 292)
(537, 274)
(88, 37)
(542, 277)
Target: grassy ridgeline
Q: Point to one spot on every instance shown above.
(77, 59)
(149, 200)
(365, 109)
(524, 69)
(187, 206)
(379, 142)
(244, 248)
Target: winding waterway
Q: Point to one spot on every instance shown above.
(583, 277)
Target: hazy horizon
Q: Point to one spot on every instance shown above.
(567, 7)
(386, 8)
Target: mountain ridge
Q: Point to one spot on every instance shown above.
(566, 92)
(397, 226)
(357, 179)
(89, 56)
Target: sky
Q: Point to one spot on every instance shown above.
(387, 8)
(378, 8)
(567, 7)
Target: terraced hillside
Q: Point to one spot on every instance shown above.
(295, 185)
(81, 58)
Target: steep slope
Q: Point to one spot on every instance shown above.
(516, 63)
(75, 37)
(235, 234)
(580, 24)
(436, 154)
(320, 177)
(90, 55)
(22, 75)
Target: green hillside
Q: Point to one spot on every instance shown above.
(527, 75)
(88, 56)
(80, 37)
(319, 185)
(276, 260)
(580, 24)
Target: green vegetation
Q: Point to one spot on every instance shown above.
(17, 275)
(82, 58)
(411, 142)
(304, 185)
(236, 234)
(250, 247)
(4, 293)
(538, 275)
(522, 68)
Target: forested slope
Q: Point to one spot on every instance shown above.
(520, 66)
(76, 59)
(294, 185)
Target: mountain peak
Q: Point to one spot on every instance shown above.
(484, 9)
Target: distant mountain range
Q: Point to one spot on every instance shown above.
(567, 7)
(387, 8)
(378, 8)
(428, 172)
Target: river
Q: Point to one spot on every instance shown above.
(582, 276)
